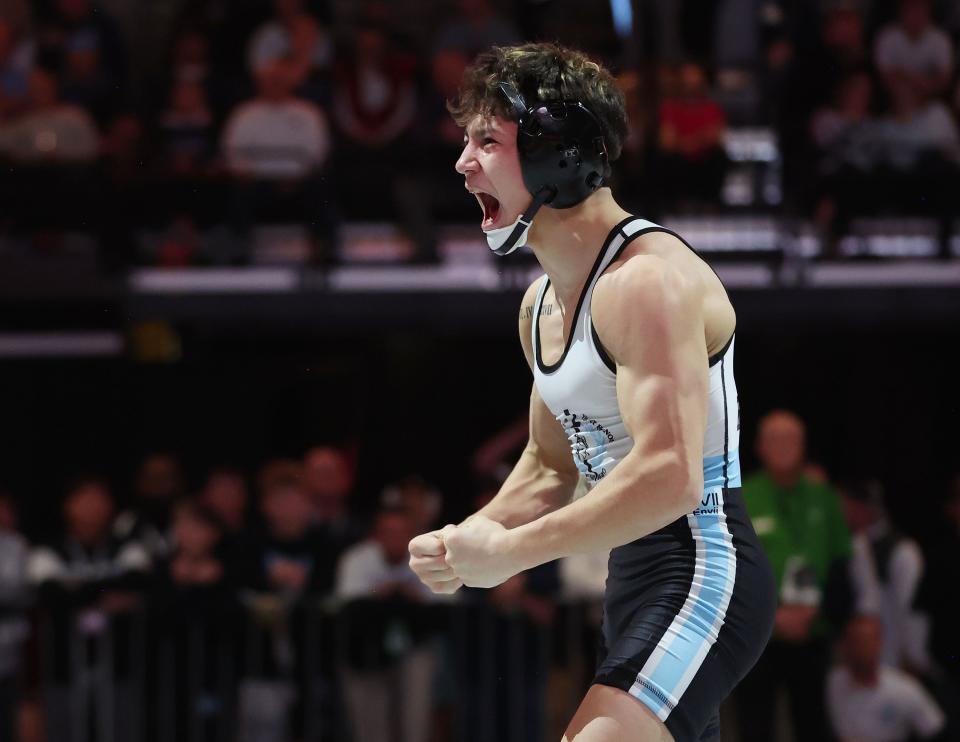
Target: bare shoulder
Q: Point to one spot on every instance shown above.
(666, 271)
(641, 285)
(526, 317)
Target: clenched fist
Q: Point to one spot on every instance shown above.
(428, 560)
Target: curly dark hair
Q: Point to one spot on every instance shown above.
(541, 72)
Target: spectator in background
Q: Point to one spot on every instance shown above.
(871, 702)
(918, 133)
(914, 52)
(374, 106)
(475, 25)
(391, 663)
(690, 141)
(846, 138)
(290, 558)
(195, 614)
(225, 493)
(801, 527)
(72, 25)
(328, 478)
(374, 99)
(14, 597)
(89, 582)
(294, 35)
(897, 565)
(187, 129)
(49, 131)
(290, 565)
(16, 64)
(430, 192)
(158, 484)
(85, 81)
(275, 147)
(53, 148)
(421, 502)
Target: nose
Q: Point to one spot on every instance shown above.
(466, 163)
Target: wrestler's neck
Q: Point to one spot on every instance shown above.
(567, 241)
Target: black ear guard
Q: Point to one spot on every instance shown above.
(561, 148)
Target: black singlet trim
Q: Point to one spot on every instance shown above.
(601, 351)
(726, 425)
(718, 356)
(617, 230)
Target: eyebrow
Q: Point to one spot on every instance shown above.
(479, 132)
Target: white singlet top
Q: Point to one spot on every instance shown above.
(580, 389)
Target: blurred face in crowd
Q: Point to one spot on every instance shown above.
(861, 646)
(89, 511)
(159, 478)
(287, 509)
(915, 16)
(781, 444)
(692, 80)
(327, 476)
(83, 63)
(195, 535)
(190, 49)
(43, 90)
(226, 494)
(421, 502)
(447, 69)
(188, 96)
(6, 40)
(858, 514)
(952, 507)
(371, 44)
(275, 81)
(843, 29)
(8, 514)
(393, 532)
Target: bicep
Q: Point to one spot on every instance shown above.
(662, 382)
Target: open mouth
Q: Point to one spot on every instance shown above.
(491, 209)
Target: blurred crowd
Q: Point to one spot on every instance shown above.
(319, 113)
(272, 607)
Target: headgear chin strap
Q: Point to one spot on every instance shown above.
(504, 240)
(563, 159)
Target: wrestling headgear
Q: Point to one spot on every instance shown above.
(563, 159)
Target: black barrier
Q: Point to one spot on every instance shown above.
(366, 671)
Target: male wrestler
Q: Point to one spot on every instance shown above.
(630, 339)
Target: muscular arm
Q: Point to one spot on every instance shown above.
(544, 477)
(650, 318)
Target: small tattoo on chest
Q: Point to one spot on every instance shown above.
(527, 312)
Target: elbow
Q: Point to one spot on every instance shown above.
(692, 491)
(688, 485)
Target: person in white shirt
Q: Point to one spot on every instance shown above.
(870, 702)
(893, 567)
(50, 131)
(914, 50)
(275, 146)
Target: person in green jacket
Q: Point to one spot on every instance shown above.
(801, 526)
